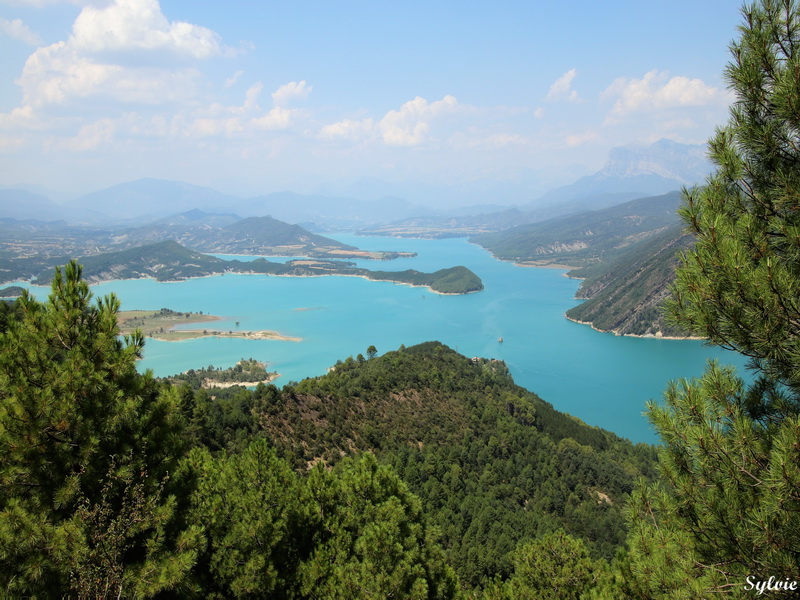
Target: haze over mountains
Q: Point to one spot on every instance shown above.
(630, 172)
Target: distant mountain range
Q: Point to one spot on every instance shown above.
(199, 231)
(630, 172)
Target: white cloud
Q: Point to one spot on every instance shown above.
(562, 88)
(231, 81)
(91, 137)
(579, 139)
(21, 118)
(657, 91)
(140, 25)
(57, 74)
(120, 52)
(19, 31)
(349, 129)
(244, 120)
(277, 118)
(408, 126)
(291, 91)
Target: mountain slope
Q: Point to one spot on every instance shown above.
(626, 255)
(661, 167)
(587, 237)
(627, 296)
(492, 462)
(153, 198)
(229, 235)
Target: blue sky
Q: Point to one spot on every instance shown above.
(351, 97)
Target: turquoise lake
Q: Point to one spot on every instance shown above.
(601, 378)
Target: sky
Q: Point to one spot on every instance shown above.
(438, 99)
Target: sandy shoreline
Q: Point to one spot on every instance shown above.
(178, 335)
(160, 326)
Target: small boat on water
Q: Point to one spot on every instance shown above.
(500, 340)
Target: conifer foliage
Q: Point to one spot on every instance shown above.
(729, 506)
(83, 505)
(740, 287)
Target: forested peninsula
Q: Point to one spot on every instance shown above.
(169, 261)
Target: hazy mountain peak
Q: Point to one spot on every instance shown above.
(633, 171)
(686, 164)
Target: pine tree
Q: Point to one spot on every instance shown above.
(728, 505)
(258, 522)
(556, 566)
(86, 449)
(740, 286)
(372, 541)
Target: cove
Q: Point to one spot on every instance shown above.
(601, 378)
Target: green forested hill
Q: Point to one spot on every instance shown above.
(269, 231)
(253, 235)
(492, 463)
(454, 280)
(625, 254)
(587, 237)
(169, 261)
(627, 295)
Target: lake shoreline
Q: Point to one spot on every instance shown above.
(161, 325)
(633, 335)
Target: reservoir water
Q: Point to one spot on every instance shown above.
(603, 379)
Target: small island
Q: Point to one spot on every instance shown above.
(160, 325)
(247, 372)
(455, 280)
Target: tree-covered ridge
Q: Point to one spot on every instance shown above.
(586, 238)
(13, 291)
(169, 261)
(493, 464)
(627, 295)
